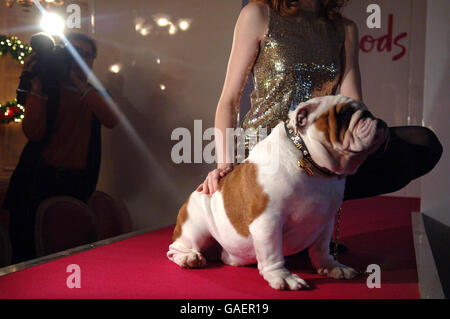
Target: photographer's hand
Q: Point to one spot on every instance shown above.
(78, 83)
(36, 86)
(29, 63)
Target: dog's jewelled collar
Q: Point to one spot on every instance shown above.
(306, 162)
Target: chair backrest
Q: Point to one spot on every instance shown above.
(5, 248)
(4, 214)
(62, 223)
(112, 219)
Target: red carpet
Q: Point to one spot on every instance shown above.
(377, 231)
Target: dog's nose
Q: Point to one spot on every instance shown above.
(381, 124)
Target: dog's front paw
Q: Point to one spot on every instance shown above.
(338, 271)
(284, 280)
(190, 260)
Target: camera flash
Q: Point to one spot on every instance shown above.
(52, 24)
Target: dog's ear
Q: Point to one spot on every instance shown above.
(302, 115)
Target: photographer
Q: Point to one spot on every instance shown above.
(63, 126)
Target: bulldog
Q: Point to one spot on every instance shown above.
(260, 214)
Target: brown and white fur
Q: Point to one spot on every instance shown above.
(268, 207)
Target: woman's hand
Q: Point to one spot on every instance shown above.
(211, 183)
(250, 29)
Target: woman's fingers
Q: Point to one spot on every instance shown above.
(224, 172)
(205, 186)
(215, 182)
(211, 183)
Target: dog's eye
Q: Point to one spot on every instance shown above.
(346, 114)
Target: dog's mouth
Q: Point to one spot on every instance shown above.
(355, 152)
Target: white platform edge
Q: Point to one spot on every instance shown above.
(429, 283)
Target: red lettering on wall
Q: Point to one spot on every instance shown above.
(385, 42)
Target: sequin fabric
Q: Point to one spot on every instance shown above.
(300, 57)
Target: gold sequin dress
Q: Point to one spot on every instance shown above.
(300, 57)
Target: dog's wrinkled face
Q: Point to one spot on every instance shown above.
(339, 132)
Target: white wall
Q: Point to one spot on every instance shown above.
(436, 185)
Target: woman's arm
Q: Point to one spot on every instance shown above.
(351, 79)
(95, 102)
(250, 28)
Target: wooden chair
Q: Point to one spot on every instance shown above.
(112, 219)
(4, 214)
(5, 248)
(62, 223)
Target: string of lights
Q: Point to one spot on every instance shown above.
(14, 47)
(11, 111)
